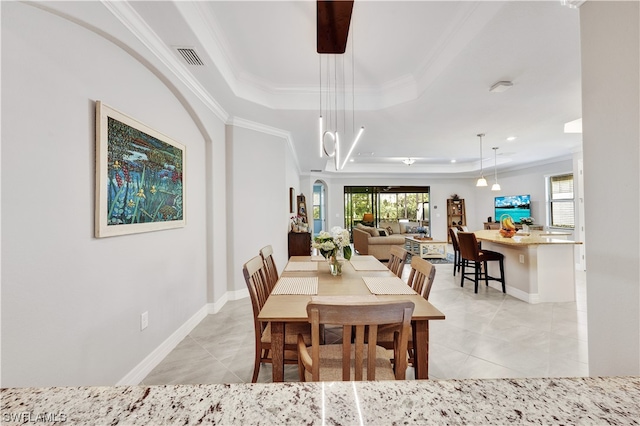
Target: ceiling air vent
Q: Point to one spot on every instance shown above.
(316, 170)
(189, 55)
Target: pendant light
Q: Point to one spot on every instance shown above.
(495, 186)
(481, 181)
(335, 93)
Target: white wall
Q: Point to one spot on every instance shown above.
(71, 303)
(530, 180)
(611, 144)
(257, 163)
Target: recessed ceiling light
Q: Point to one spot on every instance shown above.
(512, 138)
(351, 160)
(453, 161)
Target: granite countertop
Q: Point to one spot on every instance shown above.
(609, 400)
(533, 239)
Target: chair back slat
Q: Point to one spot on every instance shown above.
(422, 275)
(255, 278)
(271, 270)
(396, 260)
(361, 317)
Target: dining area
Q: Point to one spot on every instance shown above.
(189, 387)
(284, 305)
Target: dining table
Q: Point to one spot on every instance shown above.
(305, 278)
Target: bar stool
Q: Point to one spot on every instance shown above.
(473, 256)
(457, 259)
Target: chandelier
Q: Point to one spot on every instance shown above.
(333, 129)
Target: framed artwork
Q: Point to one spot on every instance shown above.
(140, 177)
(292, 200)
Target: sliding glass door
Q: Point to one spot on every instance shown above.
(386, 203)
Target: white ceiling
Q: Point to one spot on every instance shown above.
(422, 75)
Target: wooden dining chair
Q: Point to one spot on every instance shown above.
(266, 253)
(354, 361)
(421, 277)
(255, 277)
(397, 259)
(420, 280)
(477, 258)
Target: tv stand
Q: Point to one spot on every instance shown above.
(496, 225)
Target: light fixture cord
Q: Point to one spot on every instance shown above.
(481, 170)
(335, 88)
(353, 81)
(320, 77)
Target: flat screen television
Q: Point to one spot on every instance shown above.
(516, 206)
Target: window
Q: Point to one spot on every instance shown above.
(561, 203)
(388, 203)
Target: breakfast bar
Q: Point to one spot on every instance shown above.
(587, 400)
(539, 267)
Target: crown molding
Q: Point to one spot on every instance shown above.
(269, 130)
(123, 11)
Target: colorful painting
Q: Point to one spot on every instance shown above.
(140, 177)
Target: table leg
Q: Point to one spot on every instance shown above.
(421, 348)
(277, 351)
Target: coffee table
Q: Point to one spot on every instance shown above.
(426, 249)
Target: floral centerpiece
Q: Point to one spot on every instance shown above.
(527, 221)
(331, 245)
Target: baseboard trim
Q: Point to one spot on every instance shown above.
(140, 371)
(214, 308)
(518, 294)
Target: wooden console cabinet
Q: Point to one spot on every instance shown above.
(299, 244)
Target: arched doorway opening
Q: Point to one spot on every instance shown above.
(319, 206)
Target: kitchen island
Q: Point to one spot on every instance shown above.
(539, 267)
(586, 400)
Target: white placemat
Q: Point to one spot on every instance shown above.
(301, 266)
(387, 285)
(368, 265)
(317, 258)
(363, 258)
(296, 285)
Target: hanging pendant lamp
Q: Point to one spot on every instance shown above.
(495, 186)
(328, 135)
(481, 181)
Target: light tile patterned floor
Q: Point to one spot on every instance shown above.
(485, 335)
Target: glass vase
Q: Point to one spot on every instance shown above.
(336, 265)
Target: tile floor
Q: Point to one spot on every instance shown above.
(485, 335)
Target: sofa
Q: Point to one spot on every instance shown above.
(377, 241)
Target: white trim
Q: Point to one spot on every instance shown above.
(127, 15)
(151, 361)
(214, 308)
(532, 298)
(140, 371)
(274, 131)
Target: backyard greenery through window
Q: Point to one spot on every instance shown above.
(387, 203)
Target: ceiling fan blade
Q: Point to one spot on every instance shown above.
(333, 20)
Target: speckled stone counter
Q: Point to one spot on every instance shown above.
(611, 400)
